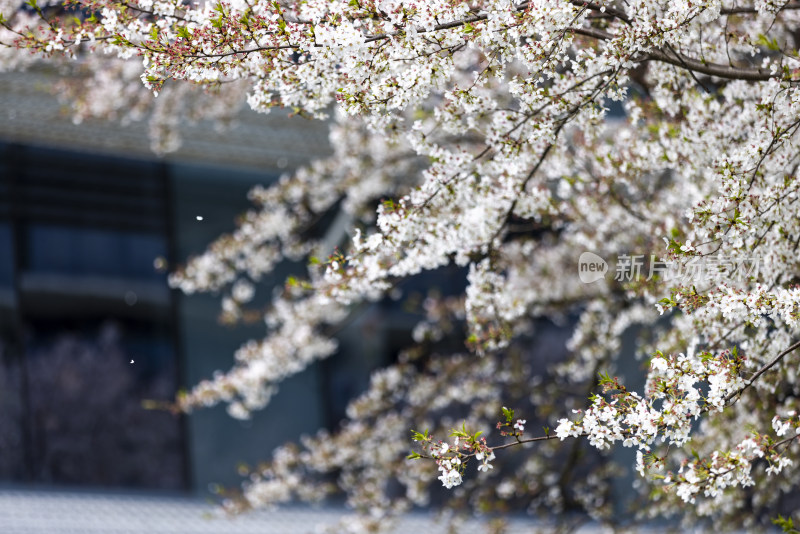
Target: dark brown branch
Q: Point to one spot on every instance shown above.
(683, 61)
(712, 69)
(763, 370)
(529, 440)
(751, 9)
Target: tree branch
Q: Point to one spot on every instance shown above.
(712, 69)
(751, 9)
(763, 370)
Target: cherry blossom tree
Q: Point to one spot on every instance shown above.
(477, 136)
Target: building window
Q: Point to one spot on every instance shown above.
(80, 300)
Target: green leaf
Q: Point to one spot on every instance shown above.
(183, 31)
(460, 433)
(786, 524)
(509, 414)
(771, 44)
(666, 301)
(419, 436)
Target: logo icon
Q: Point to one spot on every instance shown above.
(591, 267)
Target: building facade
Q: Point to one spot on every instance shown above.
(90, 223)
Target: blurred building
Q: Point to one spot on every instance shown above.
(89, 328)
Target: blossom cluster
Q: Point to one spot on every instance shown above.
(452, 459)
